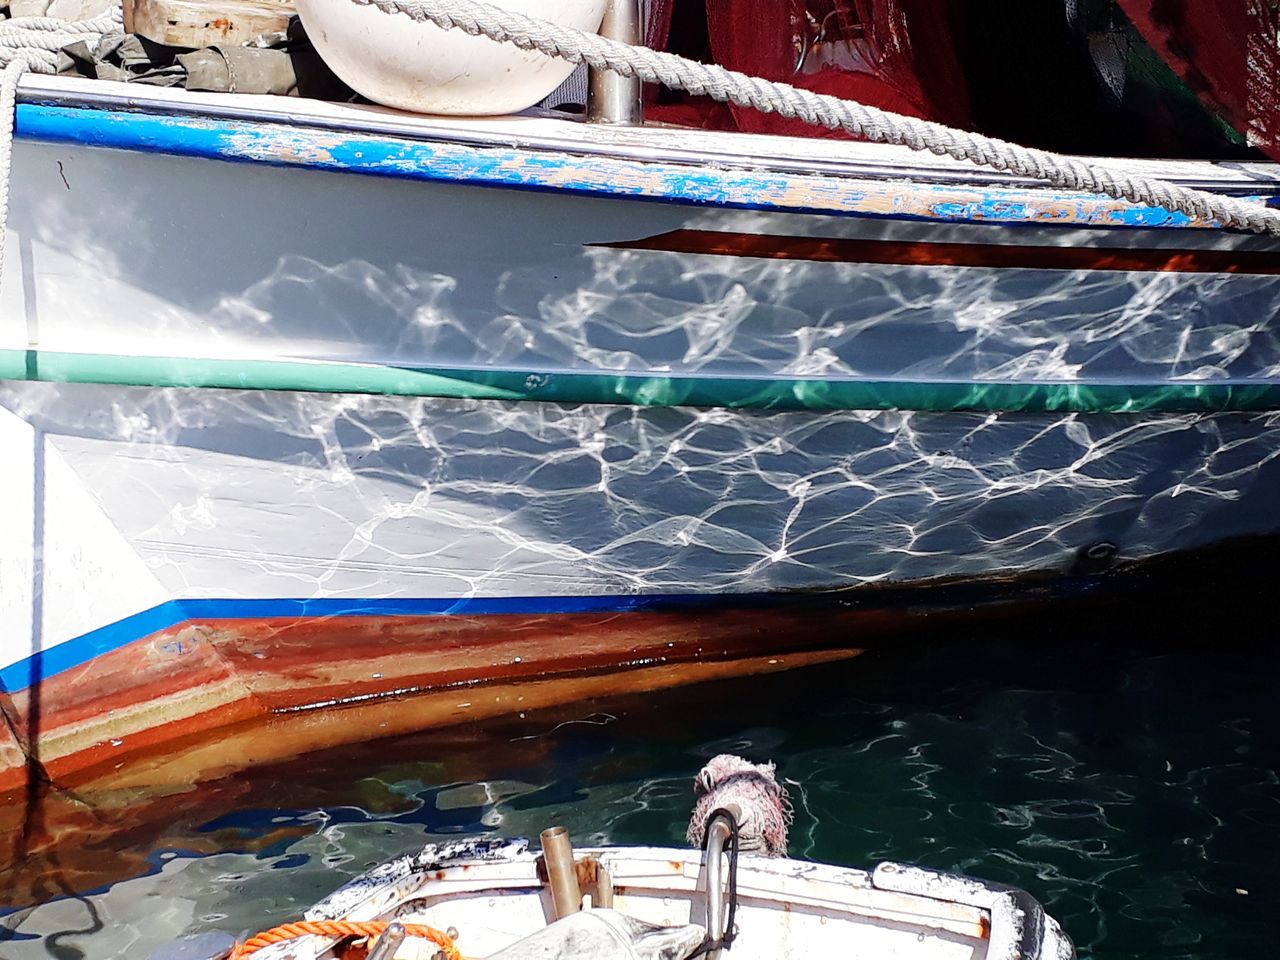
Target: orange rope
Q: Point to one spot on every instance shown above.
(341, 928)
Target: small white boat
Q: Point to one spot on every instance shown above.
(495, 896)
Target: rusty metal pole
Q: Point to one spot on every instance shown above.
(562, 877)
(614, 98)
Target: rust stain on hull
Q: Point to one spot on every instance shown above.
(996, 256)
(204, 699)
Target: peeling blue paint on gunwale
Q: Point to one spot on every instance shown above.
(513, 168)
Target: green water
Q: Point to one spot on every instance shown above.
(1121, 767)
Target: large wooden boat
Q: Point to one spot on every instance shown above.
(311, 405)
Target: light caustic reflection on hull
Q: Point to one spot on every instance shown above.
(321, 495)
(640, 311)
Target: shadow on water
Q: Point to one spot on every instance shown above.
(1117, 760)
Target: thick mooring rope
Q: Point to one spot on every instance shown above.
(565, 43)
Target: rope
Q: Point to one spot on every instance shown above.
(341, 928)
(35, 41)
(554, 40)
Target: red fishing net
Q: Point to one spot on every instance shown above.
(1228, 53)
(893, 54)
(1028, 72)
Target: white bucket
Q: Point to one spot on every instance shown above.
(400, 62)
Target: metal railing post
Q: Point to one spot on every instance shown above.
(613, 98)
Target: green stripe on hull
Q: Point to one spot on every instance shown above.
(296, 375)
(754, 393)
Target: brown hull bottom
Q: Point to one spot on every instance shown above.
(206, 698)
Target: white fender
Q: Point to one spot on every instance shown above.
(400, 62)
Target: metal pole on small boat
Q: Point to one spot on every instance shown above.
(614, 98)
(562, 876)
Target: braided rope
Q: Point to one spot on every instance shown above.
(35, 41)
(341, 928)
(554, 40)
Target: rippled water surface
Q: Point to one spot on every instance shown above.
(1122, 768)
